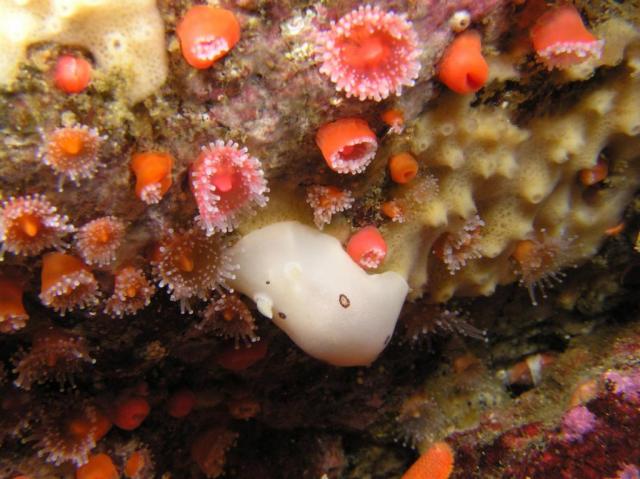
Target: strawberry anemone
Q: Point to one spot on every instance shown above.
(436, 463)
(207, 34)
(70, 433)
(152, 170)
(30, 224)
(394, 210)
(13, 316)
(229, 317)
(99, 466)
(403, 168)
(463, 68)
(455, 249)
(227, 183)
(423, 321)
(367, 247)
(67, 283)
(72, 74)
(326, 201)
(561, 39)
(348, 145)
(131, 292)
(209, 450)
(73, 151)
(243, 405)
(98, 240)
(539, 260)
(181, 403)
(370, 53)
(190, 264)
(240, 358)
(55, 354)
(130, 412)
(394, 119)
(139, 464)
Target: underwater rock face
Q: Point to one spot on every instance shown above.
(206, 210)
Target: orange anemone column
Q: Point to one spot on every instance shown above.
(153, 175)
(463, 69)
(435, 463)
(207, 34)
(348, 145)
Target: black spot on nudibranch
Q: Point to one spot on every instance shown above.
(281, 315)
(268, 282)
(344, 301)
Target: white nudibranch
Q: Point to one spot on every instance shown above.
(307, 284)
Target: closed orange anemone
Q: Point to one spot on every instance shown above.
(615, 230)
(55, 266)
(67, 283)
(242, 357)
(367, 247)
(130, 412)
(403, 168)
(595, 174)
(524, 251)
(561, 39)
(207, 34)
(463, 69)
(99, 466)
(348, 145)
(394, 119)
(181, 403)
(209, 449)
(393, 210)
(435, 463)
(134, 465)
(153, 175)
(72, 74)
(96, 426)
(12, 313)
(243, 406)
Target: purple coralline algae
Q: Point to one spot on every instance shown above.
(625, 384)
(577, 422)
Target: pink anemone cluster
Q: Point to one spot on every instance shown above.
(369, 53)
